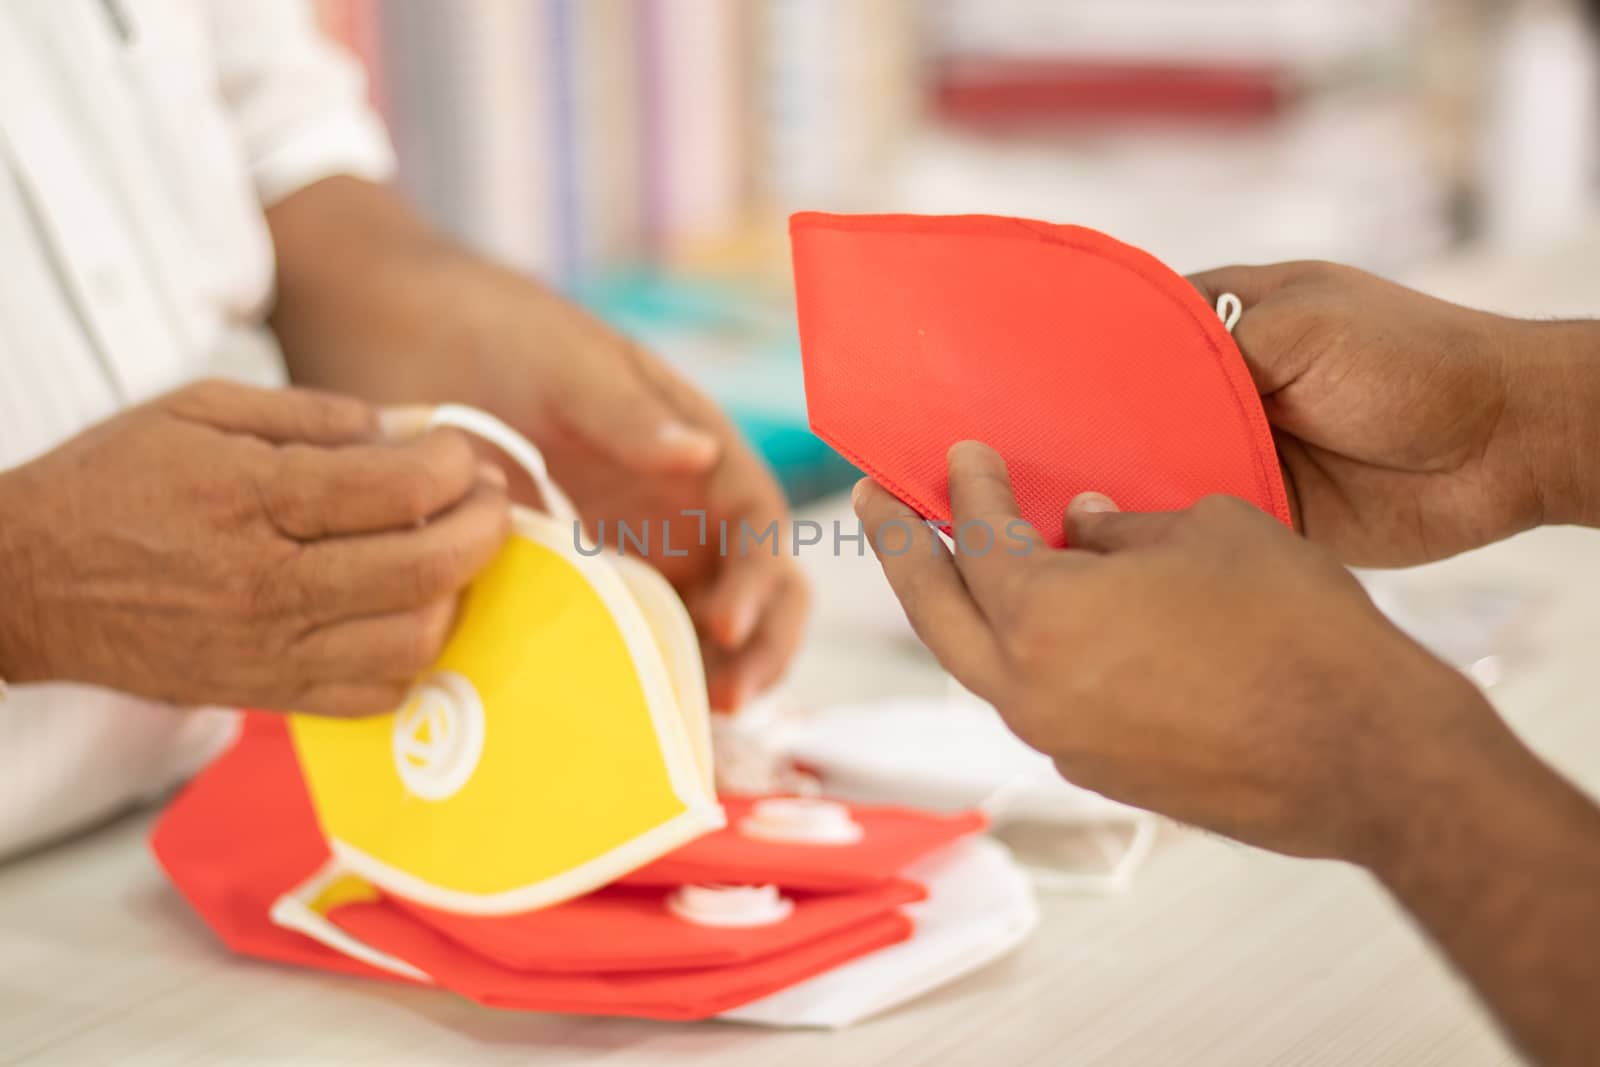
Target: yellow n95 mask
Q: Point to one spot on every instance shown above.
(561, 740)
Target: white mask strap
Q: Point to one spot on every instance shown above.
(1229, 308)
(519, 448)
(1124, 853)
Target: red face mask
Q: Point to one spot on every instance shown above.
(243, 834)
(1088, 364)
(637, 929)
(690, 993)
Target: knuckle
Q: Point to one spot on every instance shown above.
(263, 589)
(295, 585)
(1029, 634)
(1314, 271)
(1219, 507)
(310, 697)
(329, 415)
(416, 493)
(296, 494)
(201, 396)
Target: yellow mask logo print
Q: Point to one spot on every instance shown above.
(557, 743)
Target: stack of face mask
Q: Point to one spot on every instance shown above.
(537, 827)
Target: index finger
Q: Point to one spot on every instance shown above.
(1266, 329)
(930, 589)
(274, 415)
(398, 570)
(320, 492)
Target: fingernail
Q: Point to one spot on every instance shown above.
(403, 421)
(1092, 504)
(681, 438)
(491, 474)
(858, 493)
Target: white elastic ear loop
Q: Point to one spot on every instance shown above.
(1129, 854)
(519, 448)
(1229, 308)
(1125, 855)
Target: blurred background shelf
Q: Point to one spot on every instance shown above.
(643, 155)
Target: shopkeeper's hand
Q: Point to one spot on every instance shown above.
(1409, 428)
(376, 303)
(633, 442)
(238, 546)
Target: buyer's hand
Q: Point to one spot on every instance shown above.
(1409, 429)
(1207, 664)
(230, 545)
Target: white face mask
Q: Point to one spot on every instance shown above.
(956, 753)
(980, 906)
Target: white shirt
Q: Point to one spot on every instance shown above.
(140, 141)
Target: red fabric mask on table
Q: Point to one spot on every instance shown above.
(635, 929)
(1088, 364)
(243, 834)
(891, 839)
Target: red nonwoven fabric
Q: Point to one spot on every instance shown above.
(675, 994)
(242, 834)
(631, 929)
(1087, 363)
(892, 839)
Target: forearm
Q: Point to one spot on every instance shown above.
(375, 302)
(1500, 863)
(1553, 413)
(20, 660)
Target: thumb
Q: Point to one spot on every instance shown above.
(1094, 523)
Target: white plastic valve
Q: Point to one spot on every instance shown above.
(730, 905)
(801, 821)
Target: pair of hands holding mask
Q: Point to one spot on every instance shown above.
(1211, 665)
(1214, 666)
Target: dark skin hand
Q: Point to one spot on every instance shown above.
(374, 303)
(1210, 665)
(1409, 428)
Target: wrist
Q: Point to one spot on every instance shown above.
(1468, 789)
(1552, 383)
